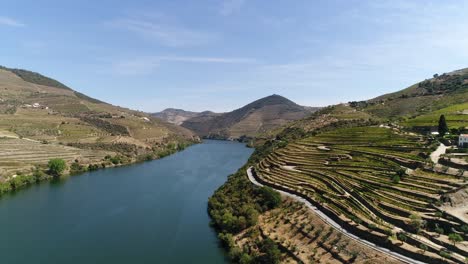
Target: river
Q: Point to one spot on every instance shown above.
(153, 212)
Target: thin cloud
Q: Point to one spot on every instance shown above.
(228, 7)
(148, 65)
(7, 21)
(163, 32)
(228, 60)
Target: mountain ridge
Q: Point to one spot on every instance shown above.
(246, 122)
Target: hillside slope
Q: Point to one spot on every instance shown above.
(422, 102)
(257, 117)
(40, 111)
(364, 165)
(178, 116)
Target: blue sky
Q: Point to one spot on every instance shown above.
(222, 54)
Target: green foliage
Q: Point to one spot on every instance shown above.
(396, 179)
(107, 126)
(416, 222)
(93, 167)
(271, 198)
(423, 247)
(39, 175)
(87, 98)
(464, 228)
(117, 159)
(5, 187)
(76, 167)
(271, 253)
(442, 128)
(445, 254)
(34, 77)
(455, 238)
(56, 167)
(439, 230)
(402, 237)
(236, 206)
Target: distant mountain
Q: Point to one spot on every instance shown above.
(257, 117)
(36, 109)
(178, 116)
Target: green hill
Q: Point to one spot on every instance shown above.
(39, 114)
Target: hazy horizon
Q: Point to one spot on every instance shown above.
(222, 54)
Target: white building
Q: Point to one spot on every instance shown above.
(463, 141)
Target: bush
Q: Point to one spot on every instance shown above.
(271, 198)
(76, 167)
(455, 238)
(56, 167)
(423, 247)
(445, 254)
(271, 253)
(39, 175)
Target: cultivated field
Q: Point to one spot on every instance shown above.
(376, 182)
(22, 155)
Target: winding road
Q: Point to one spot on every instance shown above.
(331, 222)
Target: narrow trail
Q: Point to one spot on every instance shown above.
(335, 225)
(435, 156)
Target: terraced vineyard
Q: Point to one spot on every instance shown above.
(22, 154)
(375, 182)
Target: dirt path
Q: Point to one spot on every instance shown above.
(435, 156)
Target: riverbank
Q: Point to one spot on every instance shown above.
(151, 212)
(40, 174)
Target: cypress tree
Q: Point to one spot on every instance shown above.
(443, 128)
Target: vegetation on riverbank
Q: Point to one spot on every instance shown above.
(235, 207)
(57, 167)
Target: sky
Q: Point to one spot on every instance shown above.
(222, 54)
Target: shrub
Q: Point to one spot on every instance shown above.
(271, 198)
(56, 167)
(402, 237)
(455, 238)
(423, 247)
(445, 254)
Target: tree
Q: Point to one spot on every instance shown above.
(443, 128)
(416, 222)
(402, 237)
(57, 167)
(423, 247)
(464, 228)
(445, 254)
(272, 254)
(455, 238)
(271, 198)
(439, 230)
